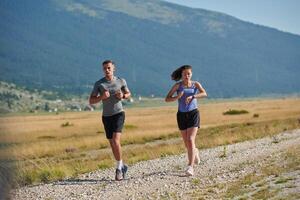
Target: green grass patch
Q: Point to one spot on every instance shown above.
(44, 176)
(195, 181)
(281, 180)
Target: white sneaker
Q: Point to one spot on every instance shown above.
(197, 157)
(189, 171)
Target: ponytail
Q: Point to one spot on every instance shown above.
(176, 75)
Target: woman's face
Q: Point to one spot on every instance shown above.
(187, 74)
(108, 69)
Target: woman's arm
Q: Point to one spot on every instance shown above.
(170, 97)
(202, 93)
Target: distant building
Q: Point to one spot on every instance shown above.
(75, 108)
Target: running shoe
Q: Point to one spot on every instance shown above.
(124, 170)
(118, 176)
(197, 157)
(189, 171)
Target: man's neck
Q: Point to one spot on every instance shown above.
(109, 78)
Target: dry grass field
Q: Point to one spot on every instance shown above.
(52, 146)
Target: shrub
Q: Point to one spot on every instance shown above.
(235, 112)
(46, 137)
(255, 115)
(66, 124)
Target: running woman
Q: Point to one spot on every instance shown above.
(188, 117)
(111, 90)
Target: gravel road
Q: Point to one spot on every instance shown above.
(164, 178)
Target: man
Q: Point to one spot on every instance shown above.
(111, 90)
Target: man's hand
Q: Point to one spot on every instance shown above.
(105, 95)
(119, 94)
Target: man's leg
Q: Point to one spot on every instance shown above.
(116, 146)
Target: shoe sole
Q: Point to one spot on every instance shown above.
(189, 174)
(118, 179)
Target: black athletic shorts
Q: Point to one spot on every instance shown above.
(189, 119)
(113, 124)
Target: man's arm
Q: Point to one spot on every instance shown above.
(126, 94)
(95, 98)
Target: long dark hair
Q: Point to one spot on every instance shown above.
(176, 75)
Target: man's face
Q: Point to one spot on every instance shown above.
(108, 69)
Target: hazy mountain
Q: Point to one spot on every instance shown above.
(60, 44)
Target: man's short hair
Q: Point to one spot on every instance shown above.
(107, 61)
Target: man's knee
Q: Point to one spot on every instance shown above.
(116, 141)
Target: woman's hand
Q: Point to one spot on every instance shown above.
(189, 99)
(180, 95)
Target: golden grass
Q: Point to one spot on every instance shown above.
(39, 142)
(87, 131)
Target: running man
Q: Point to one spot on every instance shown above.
(111, 90)
(188, 117)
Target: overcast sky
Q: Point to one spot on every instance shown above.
(281, 14)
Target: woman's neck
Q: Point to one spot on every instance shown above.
(187, 83)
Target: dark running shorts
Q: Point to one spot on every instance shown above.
(189, 119)
(113, 124)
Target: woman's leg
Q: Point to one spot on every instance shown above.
(190, 143)
(184, 137)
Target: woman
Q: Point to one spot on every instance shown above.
(188, 118)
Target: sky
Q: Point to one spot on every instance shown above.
(280, 14)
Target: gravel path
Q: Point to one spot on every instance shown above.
(165, 179)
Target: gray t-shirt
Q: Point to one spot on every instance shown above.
(112, 105)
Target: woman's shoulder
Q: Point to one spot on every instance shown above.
(178, 84)
(196, 83)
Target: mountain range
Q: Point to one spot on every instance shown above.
(60, 45)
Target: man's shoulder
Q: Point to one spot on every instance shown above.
(102, 80)
(122, 80)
